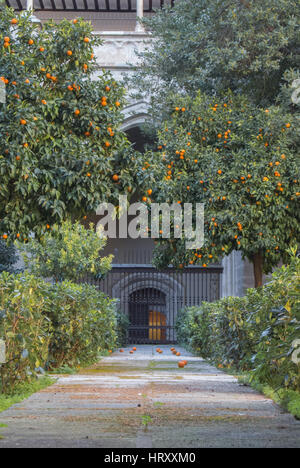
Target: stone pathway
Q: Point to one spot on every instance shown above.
(145, 401)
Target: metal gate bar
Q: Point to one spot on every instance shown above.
(142, 289)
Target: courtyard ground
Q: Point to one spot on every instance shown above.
(145, 401)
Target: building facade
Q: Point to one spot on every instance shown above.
(150, 298)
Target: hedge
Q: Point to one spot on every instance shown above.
(84, 323)
(50, 325)
(24, 327)
(255, 333)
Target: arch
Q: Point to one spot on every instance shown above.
(173, 290)
(135, 115)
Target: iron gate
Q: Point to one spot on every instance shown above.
(152, 299)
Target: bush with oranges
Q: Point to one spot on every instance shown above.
(60, 147)
(242, 162)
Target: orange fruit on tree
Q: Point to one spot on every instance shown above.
(31, 42)
(115, 178)
(181, 364)
(23, 122)
(178, 354)
(86, 40)
(69, 53)
(77, 112)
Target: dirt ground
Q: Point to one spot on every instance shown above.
(145, 401)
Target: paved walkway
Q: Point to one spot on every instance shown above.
(145, 401)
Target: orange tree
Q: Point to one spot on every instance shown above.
(60, 149)
(243, 163)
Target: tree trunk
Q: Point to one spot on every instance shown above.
(258, 270)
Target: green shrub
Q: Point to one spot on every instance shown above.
(66, 252)
(8, 257)
(24, 327)
(84, 324)
(122, 328)
(254, 333)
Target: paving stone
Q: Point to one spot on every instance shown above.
(145, 401)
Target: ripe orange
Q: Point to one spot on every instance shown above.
(14, 21)
(178, 354)
(69, 53)
(115, 178)
(31, 42)
(181, 364)
(23, 122)
(134, 349)
(86, 40)
(121, 350)
(77, 112)
(42, 49)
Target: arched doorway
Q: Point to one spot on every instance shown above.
(147, 315)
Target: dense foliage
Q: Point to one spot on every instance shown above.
(61, 152)
(257, 332)
(248, 46)
(8, 256)
(242, 162)
(84, 324)
(23, 326)
(66, 252)
(46, 326)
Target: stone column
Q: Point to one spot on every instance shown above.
(139, 15)
(233, 275)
